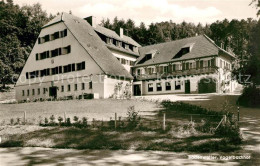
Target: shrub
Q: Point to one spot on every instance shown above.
(60, 119)
(75, 118)
(68, 122)
(84, 122)
(132, 117)
(12, 121)
(250, 97)
(46, 121)
(52, 119)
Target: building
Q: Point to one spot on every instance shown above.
(69, 60)
(76, 58)
(191, 65)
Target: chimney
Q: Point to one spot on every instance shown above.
(91, 20)
(121, 32)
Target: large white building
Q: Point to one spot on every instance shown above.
(75, 58)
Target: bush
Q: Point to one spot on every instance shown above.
(132, 117)
(250, 97)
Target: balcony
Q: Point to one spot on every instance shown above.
(178, 73)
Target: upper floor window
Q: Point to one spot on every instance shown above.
(50, 37)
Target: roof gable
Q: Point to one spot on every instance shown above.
(94, 46)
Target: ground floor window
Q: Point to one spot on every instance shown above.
(62, 88)
(28, 92)
(76, 87)
(177, 85)
(83, 86)
(168, 86)
(23, 92)
(68, 87)
(33, 92)
(39, 91)
(159, 87)
(44, 90)
(150, 87)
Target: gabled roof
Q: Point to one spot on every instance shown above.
(202, 46)
(94, 46)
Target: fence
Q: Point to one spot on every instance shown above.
(118, 122)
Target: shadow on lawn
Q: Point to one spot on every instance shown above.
(71, 137)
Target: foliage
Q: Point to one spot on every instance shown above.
(19, 28)
(132, 117)
(250, 97)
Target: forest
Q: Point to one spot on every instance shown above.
(21, 25)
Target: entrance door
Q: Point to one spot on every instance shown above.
(137, 90)
(53, 92)
(187, 86)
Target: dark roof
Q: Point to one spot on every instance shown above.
(202, 46)
(94, 46)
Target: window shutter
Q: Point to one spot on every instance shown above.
(37, 58)
(83, 65)
(213, 64)
(170, 68)
(197, 64)
(65, 32)
(69, 49)
(59, 52)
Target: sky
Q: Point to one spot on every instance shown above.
(148, 11)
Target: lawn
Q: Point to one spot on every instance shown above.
(98, 109)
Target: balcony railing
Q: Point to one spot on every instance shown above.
(177, 73)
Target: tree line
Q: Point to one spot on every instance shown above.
(20, 27)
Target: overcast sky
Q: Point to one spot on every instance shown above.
(204, 11)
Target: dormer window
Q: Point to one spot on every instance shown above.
(127, 46)
(148, 56)
(184, 50)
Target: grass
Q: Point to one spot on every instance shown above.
(180, 135)
(97, 109)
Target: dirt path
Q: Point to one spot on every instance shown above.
(47, 156)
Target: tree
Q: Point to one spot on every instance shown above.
(257, 5)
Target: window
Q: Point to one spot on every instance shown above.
(44, 90)
(220, 63)
(60, 69)
(75, 87)
(159, 87)
(23, 92)
(123, 61)
(28, 92)
(33, 92)
(27, 75)
(82, 86)
(174, 67)
(73, 67)
(213, 64)
(168, 86)
(201, 64)
(150, 87)
(177, 85)
(90, 85)
(37, 57)
(132, 63)
(138, 71)
(39, 91)
(145, 58)
(62, 88)
(69, 68)
(68, 88)
(165, 69)
(83, 65)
